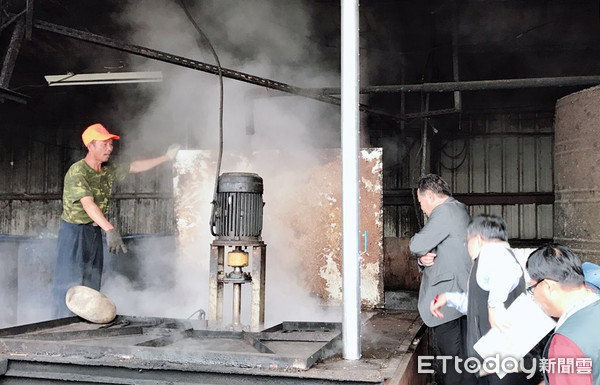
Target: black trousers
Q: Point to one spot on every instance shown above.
(79, 261)
(449, 339)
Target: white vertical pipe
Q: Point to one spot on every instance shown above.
(237, 304)
(350, 175)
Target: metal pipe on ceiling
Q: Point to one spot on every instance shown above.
(474, 85)
(197, 65)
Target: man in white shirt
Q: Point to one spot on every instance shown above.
(495, 281)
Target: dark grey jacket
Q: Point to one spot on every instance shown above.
(445, 234)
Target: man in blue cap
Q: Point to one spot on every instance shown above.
(591, 272)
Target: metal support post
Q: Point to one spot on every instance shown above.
(259, 268)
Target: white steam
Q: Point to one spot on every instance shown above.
(266, 38)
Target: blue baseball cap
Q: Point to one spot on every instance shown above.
(591, 272)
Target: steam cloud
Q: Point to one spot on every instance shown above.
(267, 38)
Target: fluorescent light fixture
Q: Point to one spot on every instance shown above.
(72, 79)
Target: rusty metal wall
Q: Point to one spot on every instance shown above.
(302, 216)
(577, 173)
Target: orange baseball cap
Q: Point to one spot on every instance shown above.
(97, 132)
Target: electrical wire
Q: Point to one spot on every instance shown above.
(220, 154)
(463, 153)
(454, 156)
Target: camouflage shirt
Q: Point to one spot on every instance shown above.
(81, 180)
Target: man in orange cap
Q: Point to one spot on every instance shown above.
(87, 189)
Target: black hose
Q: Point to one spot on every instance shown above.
(220, 156)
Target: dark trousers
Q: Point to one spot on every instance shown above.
(449, 339)
(79, 262)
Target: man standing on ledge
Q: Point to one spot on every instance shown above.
(441, 249)
(87, 188)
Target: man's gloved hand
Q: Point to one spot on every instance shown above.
(115, 242)
(172, 151)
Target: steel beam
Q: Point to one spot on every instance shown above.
(12, 52)
(178, 60)
(12, 95)
(201, 66)
(474, 85)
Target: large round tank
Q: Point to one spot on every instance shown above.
(577, 173)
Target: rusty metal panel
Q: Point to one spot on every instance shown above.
(319, 229)
(302, 220)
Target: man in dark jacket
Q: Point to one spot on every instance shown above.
(441, 249)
